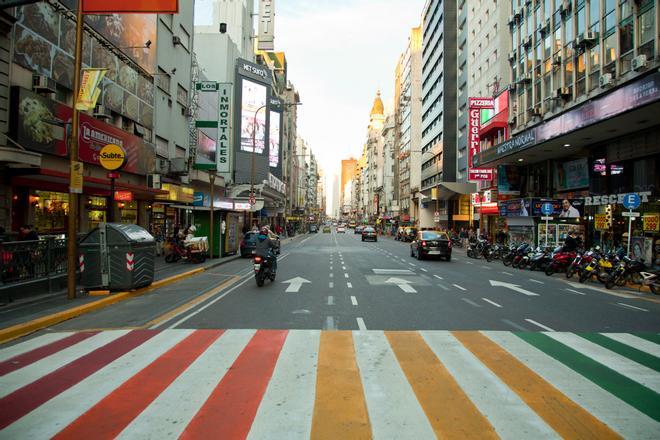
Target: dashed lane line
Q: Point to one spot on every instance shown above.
(331, 300)
(349, 285)
(632, 307)
(438, 277)
(576, 292)
(469, 301)
(492, 302)
(331, 284)
(354, 301)
(459, 287)
(538, 324)
(423, 270)
(361, 325)
(536, 281)
(507, 273)
(345, 275)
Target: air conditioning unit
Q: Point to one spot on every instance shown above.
(102, 112)
(527, 41)
(639, 62)
(178, 165)
(153, 181)
(606, 80)
(511, 20)
(162, 166)
(189, 112)
(176, 40)
(536, 111)
(556, 60)
(563, 92)
(525, 79)
(43, 84)
(587, 38)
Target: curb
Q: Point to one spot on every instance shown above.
(18, 330)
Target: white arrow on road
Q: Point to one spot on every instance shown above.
(514, 287)
(295, 284)
(403, 284)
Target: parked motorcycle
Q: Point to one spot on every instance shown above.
(263, 270)
(627, 270)
(580, 260)
(509, 256)
(600, 266)
(541, 258)
(561, 260)
(521, 260)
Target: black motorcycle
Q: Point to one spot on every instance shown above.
(627, 270)
(263, 270)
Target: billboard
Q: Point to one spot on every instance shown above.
(474, 123)
(206, 147)
(253, 122)
(573, 174)
(274, 140)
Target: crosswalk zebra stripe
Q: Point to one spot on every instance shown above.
(641, 357)
(171, 412)
(636, 342)
(623, 418)
(567, 418)
(48, 419)
(288, 405)
(451, 413)
(133, 396)
(509, 415)
(340, 410)
(31, 344)
(394, 411)
(624, 366)
(20, 378)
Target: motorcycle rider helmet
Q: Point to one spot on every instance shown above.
(192, 229)
(263, 230)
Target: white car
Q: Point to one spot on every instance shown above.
(341, 230)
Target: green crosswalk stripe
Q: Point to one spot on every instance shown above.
(638, 396)
(653, 337)
(641, 357)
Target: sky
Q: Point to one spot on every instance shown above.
(339, 54)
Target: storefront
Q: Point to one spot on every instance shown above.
(50, 210)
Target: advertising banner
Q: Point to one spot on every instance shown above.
(274, 138)
(600, 222)
(224, 128)
(206, 148)
(130, 6)
(571, 175)
(33, 128)
(89, 88)
(474, 123)
(253, 122)
(508, 180)
(562, 208)
(514, 208)
(651, 221)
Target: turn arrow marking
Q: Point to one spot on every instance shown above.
(514, 287)
(295, 284)
(403, 284)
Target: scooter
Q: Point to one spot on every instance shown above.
(540, 259)
(651, 279)
(263, 270)
(627, 269)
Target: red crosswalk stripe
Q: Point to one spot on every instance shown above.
(130, 399)
(231, 407)
(25, 399)
(25, 359)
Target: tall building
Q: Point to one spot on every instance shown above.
(347, 173)
(462, 96)
(375, 157)
(335, 212)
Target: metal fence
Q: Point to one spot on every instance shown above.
(23, 262)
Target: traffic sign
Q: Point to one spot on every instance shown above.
(631, 214)
(547, 209)
(631, 201)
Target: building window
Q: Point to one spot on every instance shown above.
(610, 48)
(594, 67)
(580, 83)
(163, 81)
(626, 43)
(182, 95)
(646, 30)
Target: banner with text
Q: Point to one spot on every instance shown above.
(474, 123)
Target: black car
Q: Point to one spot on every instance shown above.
(431, 244)
(369, 233)
(249, 243)
(358, 229)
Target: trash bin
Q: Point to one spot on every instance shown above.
(126, 262)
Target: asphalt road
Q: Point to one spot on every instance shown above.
(335, 281)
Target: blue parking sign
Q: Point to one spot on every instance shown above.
(547, 208)
(631, 201)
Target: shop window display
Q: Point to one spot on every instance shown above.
(97, 209)
(129, 212)
(50, 211)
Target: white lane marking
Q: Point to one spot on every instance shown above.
(576, 292)
(343, 267)
(49, 418)
(394, 411)
(442, 286)
(331, 274)
(469, 262)
(169, 414)
(621, 364)
(393, 272)
(514, 325)
(345, 275)
(402, 284)
(538, 324)
(423, 270)
(331, 284)
(492, 302)
(626, 420)
(329, 323)
(536, 281)
(636, 342)
(459, 287)
(286, 411)
(31, 344)
(361, 324)
(438, 277)
(414, 265)
(349, 285)
(513, 419)
(507, 273)
(469, 301)
(330, 267)
(354, 301)
(632, 307)
(486, 267)
(331, 301)
(24, 376)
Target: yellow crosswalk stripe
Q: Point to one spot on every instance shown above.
(567, 418)
(340, 410)
(449, 410)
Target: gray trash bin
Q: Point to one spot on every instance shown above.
(131, 252)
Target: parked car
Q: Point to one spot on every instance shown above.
(326, 229)
(352, 224)
(249, 243)
(358, 229)
(369, 233)
(313, 229)
(341, 229)
(431, 244)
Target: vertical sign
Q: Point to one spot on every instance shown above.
(474, 123)
(266, 25)
(224, 127)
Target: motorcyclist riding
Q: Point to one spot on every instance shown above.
(266, 248)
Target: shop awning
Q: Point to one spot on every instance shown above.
(15, 156)
(450, 190)
(52, 180)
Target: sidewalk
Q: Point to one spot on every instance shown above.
(41, 311)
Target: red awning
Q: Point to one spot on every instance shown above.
(488, 208)
(500, 120)
(52, 180)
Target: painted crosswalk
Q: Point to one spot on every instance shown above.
(272, 384)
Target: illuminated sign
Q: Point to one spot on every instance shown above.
(224, 128)
(474, 122)
(123, 196)
(112, 157)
